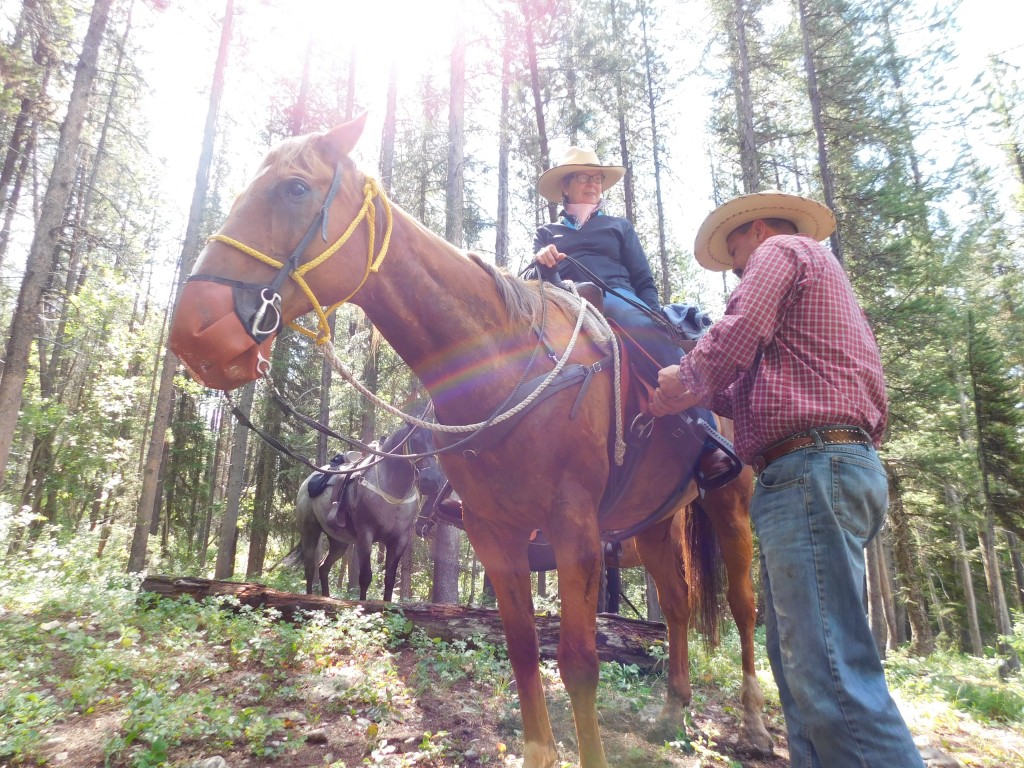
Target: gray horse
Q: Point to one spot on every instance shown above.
(380, 502)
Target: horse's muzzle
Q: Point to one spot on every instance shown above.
(210, 340)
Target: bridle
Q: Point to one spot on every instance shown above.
(258, 306)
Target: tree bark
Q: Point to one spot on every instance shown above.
(651, 108)
(44, 249)
(1013, 544)
(971, 603)
(749, 163)
(501, 238)
(817, 116)
(445, 544)
(618, 639)
(225, 567)
(909, 578)
(876, 609)
(538, 102)
(189, 254)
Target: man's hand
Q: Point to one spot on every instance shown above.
(549, 256)
(671, 396)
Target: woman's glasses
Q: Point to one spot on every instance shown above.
(584, 178)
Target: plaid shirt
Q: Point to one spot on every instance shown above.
(793, 350)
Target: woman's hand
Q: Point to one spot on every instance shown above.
(549, 256)
(671, 396)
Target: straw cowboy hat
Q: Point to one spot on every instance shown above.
(576, 160)
(808, 216)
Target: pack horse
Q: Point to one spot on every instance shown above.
(312, 232)
(377, 500)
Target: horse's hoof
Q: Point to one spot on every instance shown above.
(666, 729)
(759, 742)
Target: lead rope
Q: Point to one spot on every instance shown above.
(586, 313)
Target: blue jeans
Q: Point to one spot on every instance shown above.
(650, 335)
(814, 510)
(647, 332)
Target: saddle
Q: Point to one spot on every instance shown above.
(638, 380)
(321, 481)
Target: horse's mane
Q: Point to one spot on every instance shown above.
(521, 298)
(299, 152)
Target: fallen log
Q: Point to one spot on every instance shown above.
(618, 638)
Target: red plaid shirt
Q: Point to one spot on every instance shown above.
(793, 350)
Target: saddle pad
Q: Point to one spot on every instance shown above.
(319, 483)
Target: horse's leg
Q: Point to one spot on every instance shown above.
(309, 535)
(580, 557)
(395, 550)
(336, 549)
(364, 550)
(729, 510)
(661, 552)
(503, 555)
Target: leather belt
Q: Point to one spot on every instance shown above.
(826, 435)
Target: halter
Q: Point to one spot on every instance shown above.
(259, 306)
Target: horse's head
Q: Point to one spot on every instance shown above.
(306, 203)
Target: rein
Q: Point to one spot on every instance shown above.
(286, 407)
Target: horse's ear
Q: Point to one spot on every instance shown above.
(342, 138)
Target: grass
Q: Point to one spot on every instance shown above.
(79, 643)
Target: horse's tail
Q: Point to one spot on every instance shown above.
(704, 573)
(292, 560)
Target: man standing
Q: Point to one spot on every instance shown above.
(796, 366)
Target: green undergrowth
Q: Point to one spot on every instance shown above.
(79, 641)
(982, 687)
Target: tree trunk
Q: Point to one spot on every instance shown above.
(653, 606)
(267, 469)
(993, 576)
(387, 142)
(1013, 544)
(817, 117)
(225, 567)
(893, 633)
(876, 609)
(745, 105)
(444, 553)
(538, 102)
(501, 238)
(970, 601)
(666, 291)
(189, 254)
(908, 575)
(618, 639)
(445, 545)
(43, 251)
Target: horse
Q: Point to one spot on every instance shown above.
(380, 502)
(311, 232)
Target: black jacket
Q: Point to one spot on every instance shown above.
(608, 247)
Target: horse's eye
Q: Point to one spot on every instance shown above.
(296, 189)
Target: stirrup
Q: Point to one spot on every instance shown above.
(707, 434)
(723, 474)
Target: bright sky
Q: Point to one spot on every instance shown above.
(183, 41)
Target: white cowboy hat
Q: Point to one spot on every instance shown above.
(808, 216)
(576, 160)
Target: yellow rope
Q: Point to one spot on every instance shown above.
(373, 261)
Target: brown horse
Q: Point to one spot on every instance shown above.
(312, 231)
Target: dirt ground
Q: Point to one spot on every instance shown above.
(480, 727)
